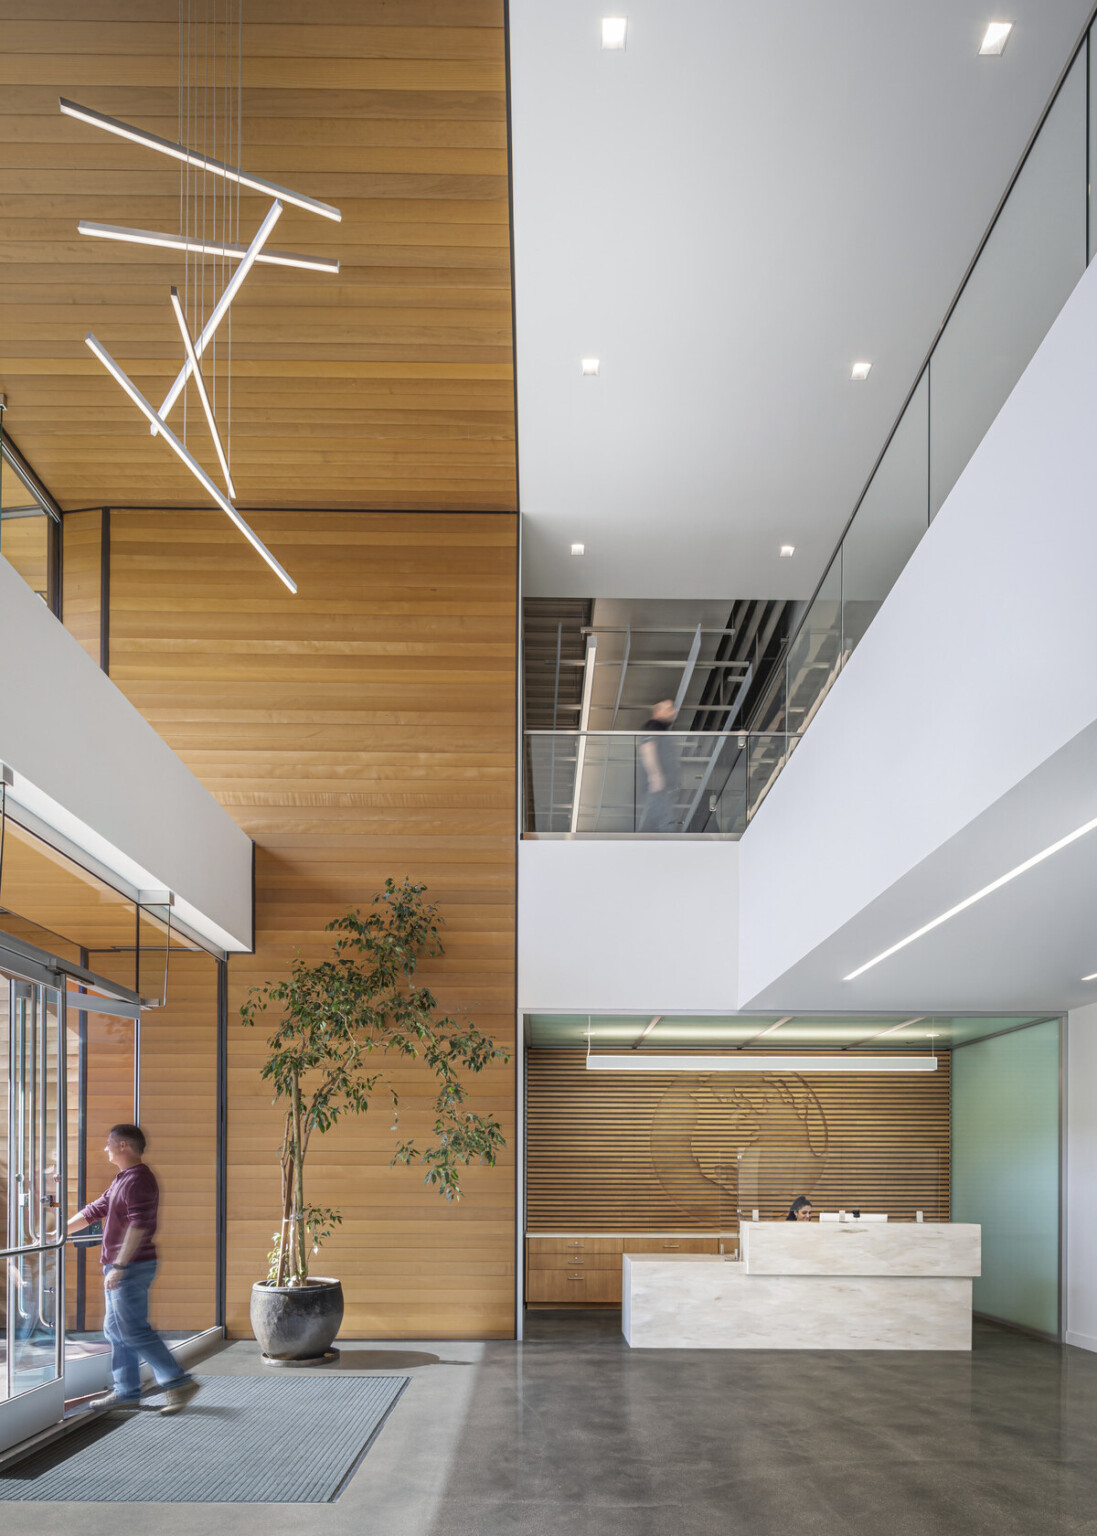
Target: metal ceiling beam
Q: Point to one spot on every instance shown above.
(29, 479)
(687, 674)
(584, 722)
(769, 1030)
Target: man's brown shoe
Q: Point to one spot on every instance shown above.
(180, 1396)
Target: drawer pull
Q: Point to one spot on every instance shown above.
(670, 1245)
(577, 1277)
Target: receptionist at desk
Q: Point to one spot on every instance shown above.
(800, 1209)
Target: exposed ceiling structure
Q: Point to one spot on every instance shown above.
(765, 1032)
(388, 385)
(728, 213)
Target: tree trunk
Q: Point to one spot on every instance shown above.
(299, 1235)
(287, 1209)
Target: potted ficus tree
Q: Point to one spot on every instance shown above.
(335, 1017)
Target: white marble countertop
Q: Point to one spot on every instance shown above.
(859, 1248)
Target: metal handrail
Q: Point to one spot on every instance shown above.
(724, 735)
(19, 1253)
(794, 635)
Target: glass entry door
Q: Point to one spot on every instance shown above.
(103, 1090)
(32, 1206)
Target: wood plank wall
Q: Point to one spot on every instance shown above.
(362, 729)
(634, 1152)
(388, 384)
(81, 578)
(179, 1115)
(24, 544)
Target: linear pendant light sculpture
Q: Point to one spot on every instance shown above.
(194, 346)
(192, 464)
(129, 236)
(221, 308)
(199, 162)
(192, 359)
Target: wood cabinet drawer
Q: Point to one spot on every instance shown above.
(573, 1245)
(574, 1260)
(657, 1244)
(574, 1286)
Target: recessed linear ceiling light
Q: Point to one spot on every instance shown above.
(204, 247)
(202, 162)
(589, 366)
(192, 464)
(614, 30)
(1090, 978)
(578, 549)
(643, 1062)
(787, 551)
(969, 901)
(996, 37)
(860, 372)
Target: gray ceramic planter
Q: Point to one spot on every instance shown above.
(296, 1322)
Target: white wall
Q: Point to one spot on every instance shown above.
(627, 926)
(977, 669)
(73, 739)
(1081, 1178)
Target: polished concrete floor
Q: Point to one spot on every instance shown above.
(573, 1434)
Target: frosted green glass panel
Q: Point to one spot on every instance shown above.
(1005, 1170)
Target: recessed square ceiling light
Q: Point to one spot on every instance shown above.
(997, 35)
(860, 372)
(613, 31)
(578, 549)
(589, 366)
(787, 551)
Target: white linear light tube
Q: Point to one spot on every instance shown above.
(191, 157)
(196, 371)
(221, 308)
(192, 464)
(969, 901)
(644, 1061)
(584, 721)
(130, 236)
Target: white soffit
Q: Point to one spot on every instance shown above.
(1023, 949)
(728, 213)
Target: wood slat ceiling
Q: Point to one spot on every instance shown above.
(388, 385)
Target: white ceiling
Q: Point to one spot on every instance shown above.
(1026, 946)
(728, 213)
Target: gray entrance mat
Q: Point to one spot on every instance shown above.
(243, 1440)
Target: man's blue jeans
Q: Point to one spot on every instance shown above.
(132, 1337)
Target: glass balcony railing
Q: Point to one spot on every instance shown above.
(1039, 244)
(625, 783)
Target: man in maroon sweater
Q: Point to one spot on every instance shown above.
(128, 1212)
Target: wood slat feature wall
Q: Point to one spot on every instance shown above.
(179, 1116)
(627, 1152)
(387, 385)
(81, 569)
(24, 544)
(362, 729)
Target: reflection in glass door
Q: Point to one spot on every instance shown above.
(103, 1040)
(32, 1091)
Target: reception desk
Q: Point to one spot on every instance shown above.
(809, 1285)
